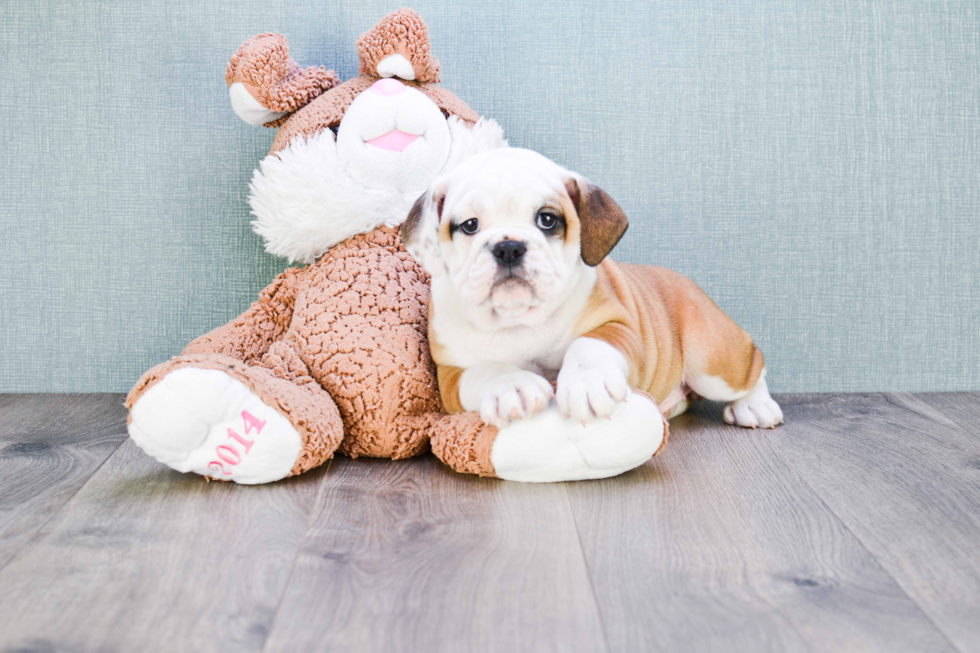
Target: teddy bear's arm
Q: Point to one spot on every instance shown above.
(250, 335)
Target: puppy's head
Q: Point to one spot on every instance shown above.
(510, 227)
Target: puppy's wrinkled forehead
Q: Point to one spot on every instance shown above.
(512, 184)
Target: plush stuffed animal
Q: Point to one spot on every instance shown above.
(334, 356)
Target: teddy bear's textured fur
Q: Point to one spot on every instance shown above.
(328, 109)
(340, 347)
(351, 369)
(263, 64)
(401, 32)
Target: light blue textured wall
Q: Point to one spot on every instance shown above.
(815, 166)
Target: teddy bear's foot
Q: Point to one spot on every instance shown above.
(205, 421)
(548, 448)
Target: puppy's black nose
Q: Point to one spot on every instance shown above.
(509, 252)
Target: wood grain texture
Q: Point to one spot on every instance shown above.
(904, 477)
(49, 446)
(718, 545)
(410, 556)
(853, 527)
(146, 559)
(959, 408)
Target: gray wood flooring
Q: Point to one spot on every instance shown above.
(854, 527)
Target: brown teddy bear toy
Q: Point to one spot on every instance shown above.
(334, 356)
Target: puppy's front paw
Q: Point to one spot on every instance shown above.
(513, 396)
(587, 392)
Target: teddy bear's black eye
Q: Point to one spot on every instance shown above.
(470, 227)
(548, 221)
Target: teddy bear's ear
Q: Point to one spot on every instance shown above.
(262, 72)
(420, 231)
(398, 46)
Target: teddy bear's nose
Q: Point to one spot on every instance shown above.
(388, 86)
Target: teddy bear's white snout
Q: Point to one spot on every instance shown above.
(393, 138)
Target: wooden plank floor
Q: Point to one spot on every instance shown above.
(855, 527)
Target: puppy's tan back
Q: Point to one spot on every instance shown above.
(670, 331)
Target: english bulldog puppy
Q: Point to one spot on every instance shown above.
(524, 299)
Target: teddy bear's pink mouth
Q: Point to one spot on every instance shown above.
(395, 140)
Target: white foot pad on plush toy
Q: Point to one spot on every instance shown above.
(547, 448)
(204, 421)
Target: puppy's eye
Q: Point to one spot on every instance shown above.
(470, 227)
(548, 221)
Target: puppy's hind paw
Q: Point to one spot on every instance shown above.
(755, 410)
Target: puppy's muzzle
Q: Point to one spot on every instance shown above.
(509, 253)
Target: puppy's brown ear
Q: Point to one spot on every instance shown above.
(602, 222)
(414, 220)
(420, 231)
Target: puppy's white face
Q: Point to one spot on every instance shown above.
(505, 235)
(508, 228)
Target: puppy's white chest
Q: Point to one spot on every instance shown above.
(460, 343)
(539, 350)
